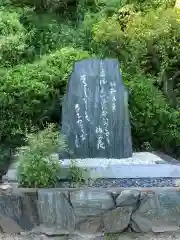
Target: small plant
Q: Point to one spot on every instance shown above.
(81, 176)
(37, 166)
(77, 175)
(111, 236)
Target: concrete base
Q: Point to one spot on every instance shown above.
(141, 164)
(130, 171)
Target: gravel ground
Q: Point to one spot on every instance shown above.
(129, 182)
(126, 236)
(137, 182)
(18, 237)
(149, 236)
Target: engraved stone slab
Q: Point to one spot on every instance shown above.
(95, 118)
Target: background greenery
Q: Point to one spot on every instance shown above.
(40, 40)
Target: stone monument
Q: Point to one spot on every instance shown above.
(95, 118)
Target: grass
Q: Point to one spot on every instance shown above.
(111, 236)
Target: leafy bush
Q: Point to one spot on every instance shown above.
(153, 121)
(153, 42)
(36, 165)
(41, 6)
(12, 38)
(147, 42)
(45, 32)
(29, 93)
(145, 5)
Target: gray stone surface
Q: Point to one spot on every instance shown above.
(128, 198)
(99, 167)
(157, 211)
(136, 171)
(141, 165)
(49, 231)
(137, 158)
(166, 158)
(95, 117)
(91, 203)
(90, 211)
(90, 225)
(169, 202)
(95, 211)
(135, 167)
(120, 171)
(117, 220)
(57, 234)
(17, 212)
(55, 209)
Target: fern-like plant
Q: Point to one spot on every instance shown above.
(38, 167)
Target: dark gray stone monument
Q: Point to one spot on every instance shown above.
(95, 117)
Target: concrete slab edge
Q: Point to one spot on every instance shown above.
(116, 189)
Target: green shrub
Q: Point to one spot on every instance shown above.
(40, 6)
(36, 165)
(152, 120)
(49, 33)
(12, 38)
(45, 32)
(153, 43)
(29, 93)
(145, 5)
(145, 42)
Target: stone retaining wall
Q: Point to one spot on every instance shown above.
(90, 210)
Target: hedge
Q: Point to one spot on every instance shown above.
(29, 93)
(13, 38)
(153, 121)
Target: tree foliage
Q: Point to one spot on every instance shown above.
(40, 41)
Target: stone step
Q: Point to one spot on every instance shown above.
(141, 165)
(130, 171)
